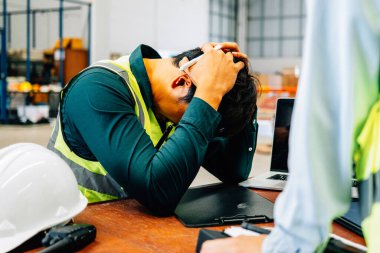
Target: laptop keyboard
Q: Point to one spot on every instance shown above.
(281, 177)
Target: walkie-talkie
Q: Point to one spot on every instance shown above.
(68, 238)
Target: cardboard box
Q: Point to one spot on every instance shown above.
(73, 43)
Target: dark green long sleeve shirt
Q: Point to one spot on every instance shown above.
(99, 123)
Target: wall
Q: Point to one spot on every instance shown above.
(276, 28)
(120, 25)
(166, 25)
(272, 65)
(100, 33)
(47, 29)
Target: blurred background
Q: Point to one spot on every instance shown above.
(44, 43)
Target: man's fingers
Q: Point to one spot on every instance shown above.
(227, 46)
(234, 244)
(240, 55)
(239, 65)
(217, 246)
(183, 61)
(229, 56)
(207, 47)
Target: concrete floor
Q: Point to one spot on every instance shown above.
(40, 134)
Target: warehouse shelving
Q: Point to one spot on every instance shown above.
(5, 38)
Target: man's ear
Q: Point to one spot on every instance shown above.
(182, 80)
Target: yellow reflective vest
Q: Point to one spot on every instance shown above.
(367, 160)
(93, 180)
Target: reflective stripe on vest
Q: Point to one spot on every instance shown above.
(367, 155)
(371, 227)
(94, 181)
(121, 72)
(367, 159)
(369, 193)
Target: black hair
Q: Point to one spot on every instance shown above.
(238, 106)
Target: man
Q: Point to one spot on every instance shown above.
(115, 119)
(336, 121)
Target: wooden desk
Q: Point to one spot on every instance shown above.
(126, 226)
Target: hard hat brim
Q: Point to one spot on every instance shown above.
(12, 242)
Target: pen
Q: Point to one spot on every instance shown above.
(195, 60)
(254, 228)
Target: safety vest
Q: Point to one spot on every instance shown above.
(93, 180)
(367, 160)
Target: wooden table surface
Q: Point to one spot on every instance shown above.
(126, 226)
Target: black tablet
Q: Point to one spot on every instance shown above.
(221, 204)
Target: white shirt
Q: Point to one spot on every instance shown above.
(338, 85)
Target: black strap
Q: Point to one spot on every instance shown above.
(164, 136)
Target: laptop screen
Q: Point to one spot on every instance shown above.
(280, 145)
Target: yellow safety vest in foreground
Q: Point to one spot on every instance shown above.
(367, 159)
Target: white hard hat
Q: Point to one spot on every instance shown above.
(38, 190)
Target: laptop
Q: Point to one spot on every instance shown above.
(276, 178)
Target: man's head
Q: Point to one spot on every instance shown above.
(237, 106)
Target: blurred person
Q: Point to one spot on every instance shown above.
(337, 121)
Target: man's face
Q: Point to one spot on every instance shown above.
(175, 110)
(167, 99)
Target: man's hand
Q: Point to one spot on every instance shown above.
(214, 74)
(232, 47)
(240, 244)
